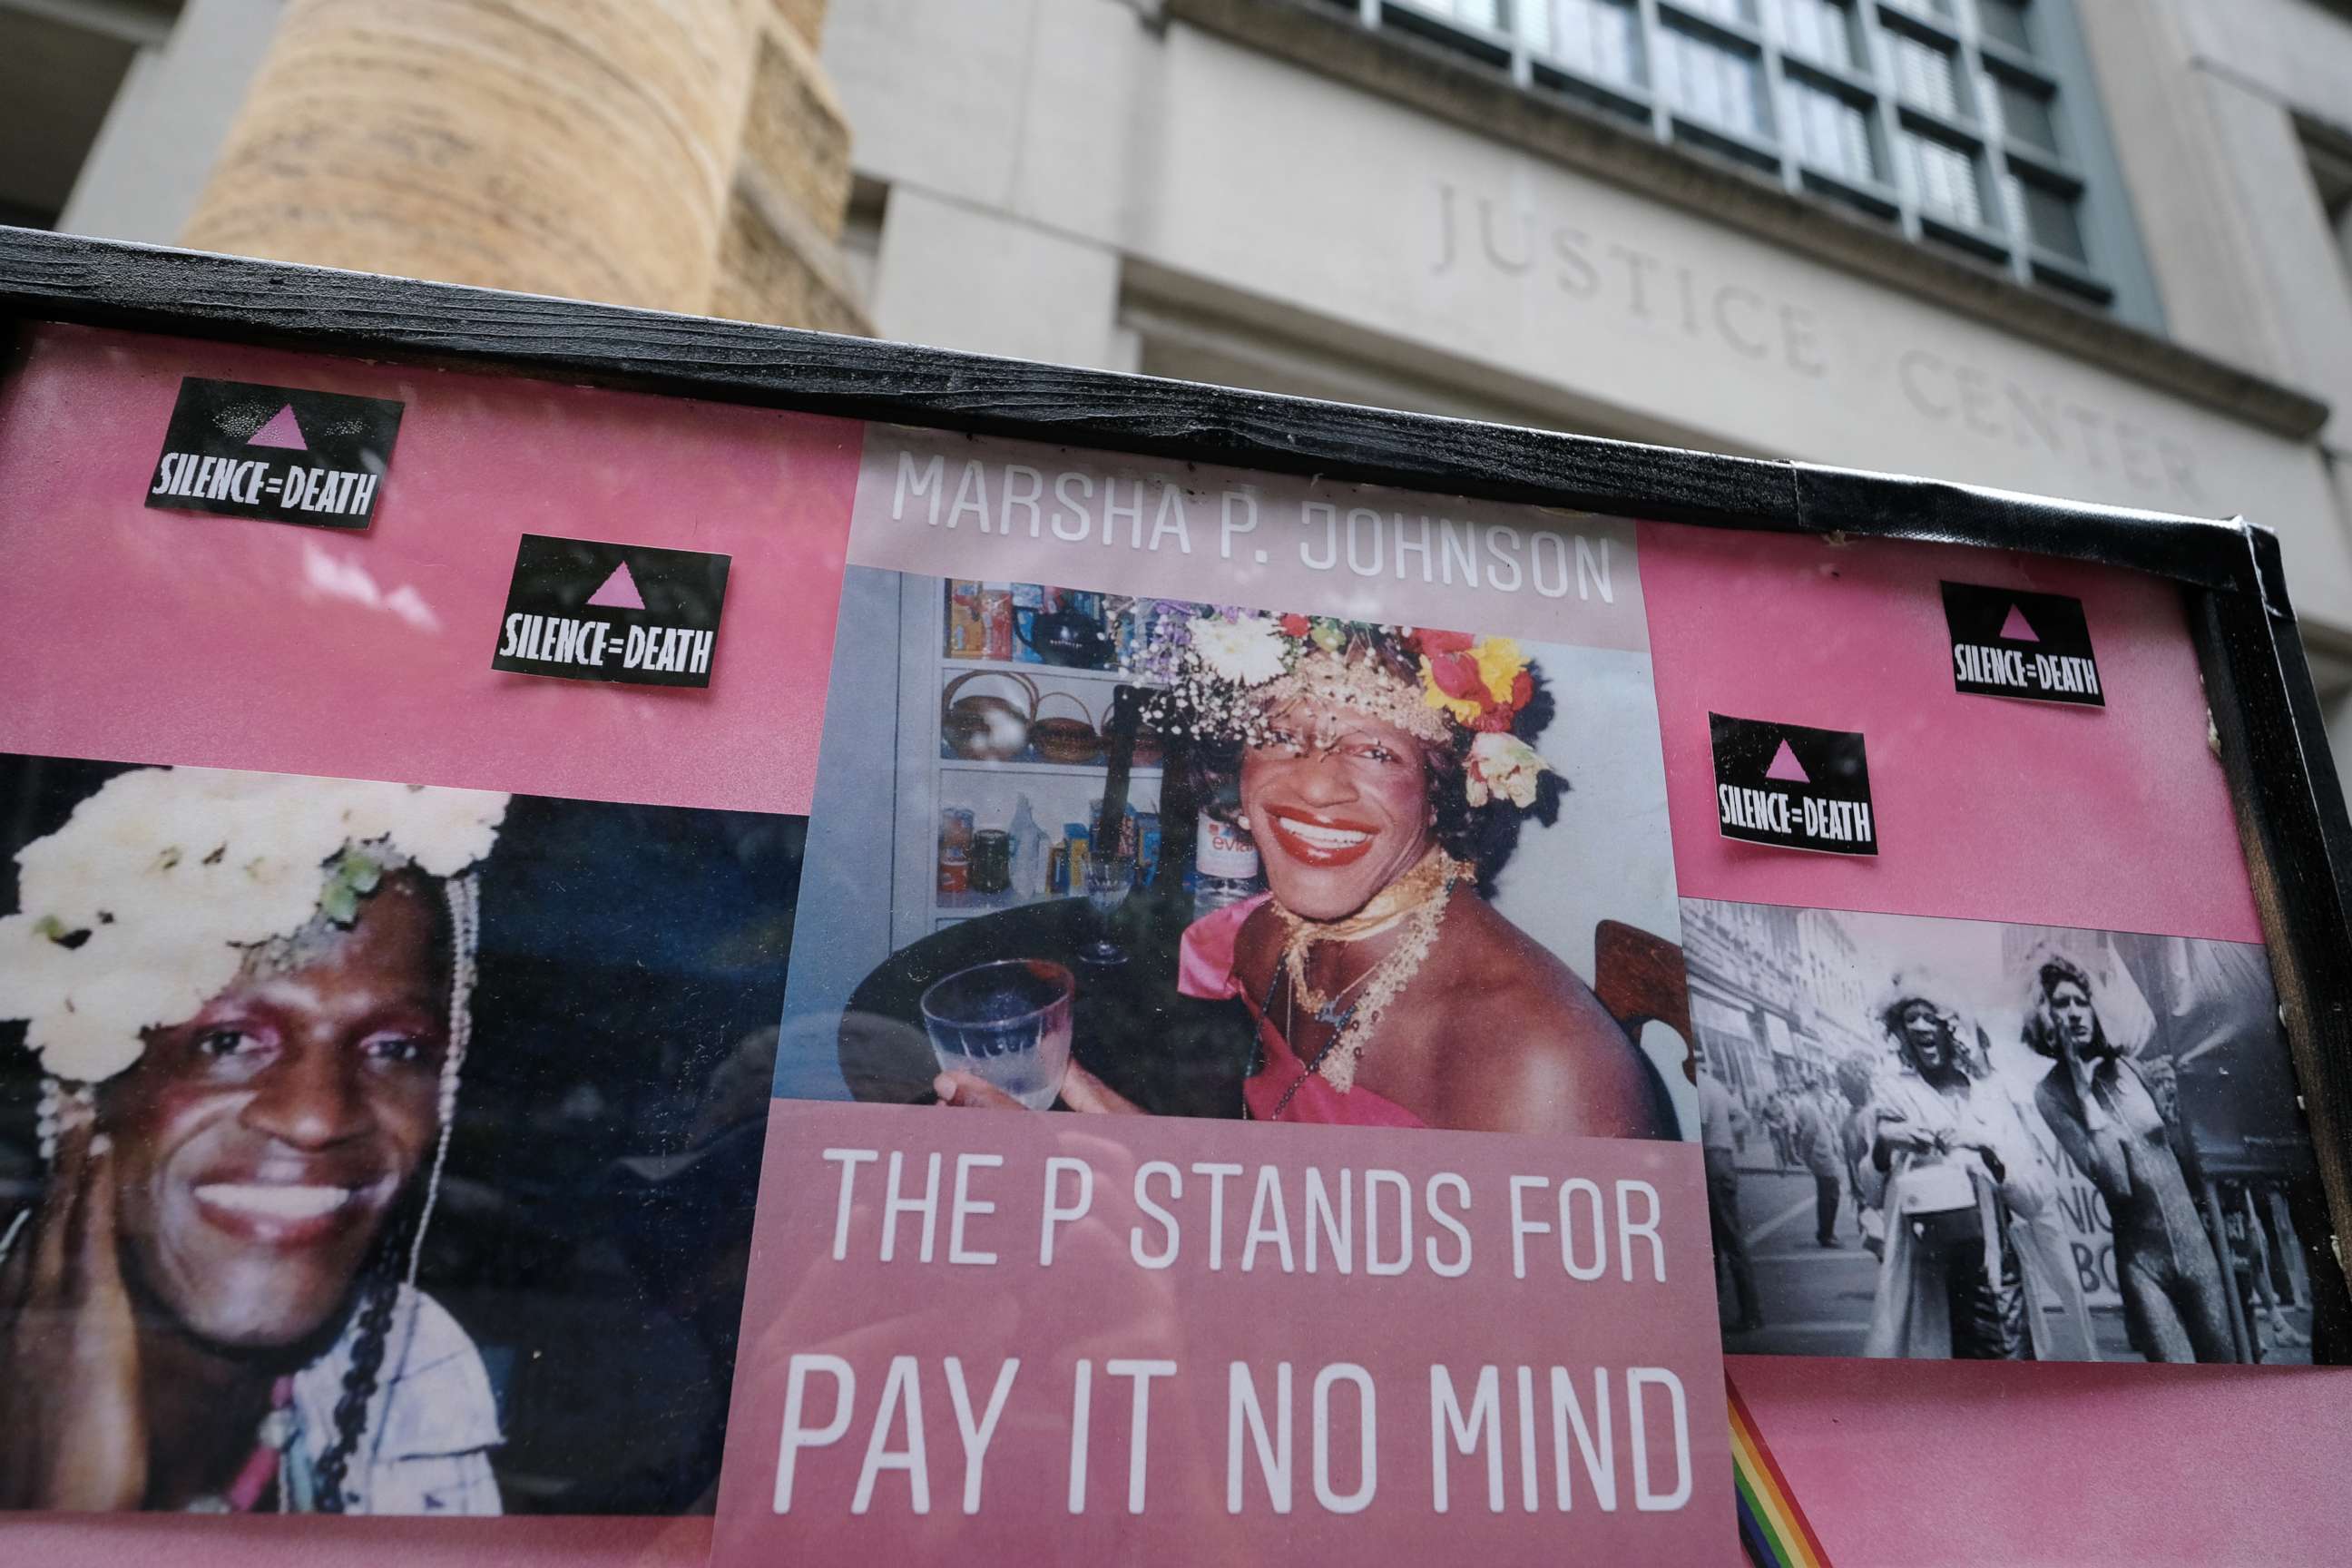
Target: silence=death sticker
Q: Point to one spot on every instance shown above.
(630, 613)
(1792, 786)
(281, 453)
(2009, 643)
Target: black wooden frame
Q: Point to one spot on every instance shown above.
(2290, 807)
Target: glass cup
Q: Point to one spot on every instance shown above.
(1108, 880)
(1007, 1024)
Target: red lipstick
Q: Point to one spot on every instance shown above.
(1320, 842)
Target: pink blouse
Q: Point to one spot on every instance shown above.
(1205, 968)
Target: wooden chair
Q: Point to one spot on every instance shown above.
(1639, 978)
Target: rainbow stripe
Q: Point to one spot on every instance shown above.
(1771, 1526)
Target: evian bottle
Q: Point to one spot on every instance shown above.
(1224, 865)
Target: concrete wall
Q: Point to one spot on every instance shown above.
(2211, 103)
(156, 149)
(1067, 178)
(1104, 183)
(2205, 99)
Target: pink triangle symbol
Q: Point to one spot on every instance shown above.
(281, 431)
(2014, 629)
(1786, 768)
(619, 592)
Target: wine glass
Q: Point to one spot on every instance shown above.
(1108, 878)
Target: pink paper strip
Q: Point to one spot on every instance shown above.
(1987, 809)
(1957, 1465)
(943, 505)
(1215, 1304)
(155, 636)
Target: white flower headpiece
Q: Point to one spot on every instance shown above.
(143, 906)
(1919, 982)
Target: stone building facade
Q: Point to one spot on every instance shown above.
(2097, 248)
(687, 156)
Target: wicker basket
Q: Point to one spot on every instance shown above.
(983, 727)
(1063, 738)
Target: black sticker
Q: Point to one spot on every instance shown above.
(587, 611)
(2009, 643)
(278, 453)
(1788, 786)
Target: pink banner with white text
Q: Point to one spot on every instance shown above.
(1170, 1342)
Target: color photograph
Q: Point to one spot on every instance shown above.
(1161, 857)
(374, 1148)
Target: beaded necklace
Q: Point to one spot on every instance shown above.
(1418, 896)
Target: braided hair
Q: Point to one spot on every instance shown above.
(399, 1247)
(379, 1294)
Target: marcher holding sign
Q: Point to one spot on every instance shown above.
(1954, 1281)
(2100, 1104)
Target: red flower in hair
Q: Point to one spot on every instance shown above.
(1433, 642)
(1457, 675)
(1294, 625)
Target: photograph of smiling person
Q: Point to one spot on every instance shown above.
(249, 1262)
(2013, 1143)
(1355, 886)
(1372, 967)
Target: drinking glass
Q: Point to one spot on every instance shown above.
(1007, 1024)
(1108, 878)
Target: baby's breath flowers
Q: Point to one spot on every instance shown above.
(1225, 674)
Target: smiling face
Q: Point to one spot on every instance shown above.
(1339, 804)
(263, 1140)
(1924, 1033)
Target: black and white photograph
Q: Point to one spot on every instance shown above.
(1941, 1139)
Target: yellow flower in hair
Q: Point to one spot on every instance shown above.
(1480, 686)
(1502, 663)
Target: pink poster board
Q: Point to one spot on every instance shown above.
(1995, 811)
(304, 650)
(2004, 811)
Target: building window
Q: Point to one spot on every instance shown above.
(1945, 178)
(2329, 154)
(1715, 83)
(60, 67)
(1600, 39)
(1820, 32)
(1971, 123)
(1831, 132)
(1928, 75)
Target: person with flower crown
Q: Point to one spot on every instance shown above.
(1383, 773)
(1962, 1276)
(249, 995)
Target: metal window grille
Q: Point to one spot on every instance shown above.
(1829, 131)
(1958, 120)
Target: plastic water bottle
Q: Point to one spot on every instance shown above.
(1224, 865)
(1028, 853)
